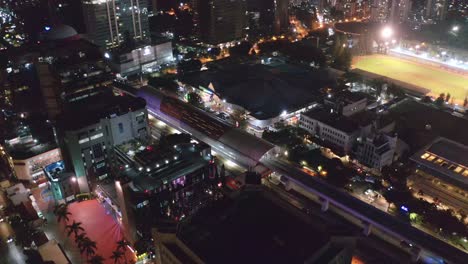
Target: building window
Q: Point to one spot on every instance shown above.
(121, 128)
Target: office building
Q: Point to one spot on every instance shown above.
(90, 128)
(109, 21)
(168, 181)
(436, 9)
(400, 10)
(269, 16)
(221, 21)
(442, 173)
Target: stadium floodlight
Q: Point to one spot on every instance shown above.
(387, 32)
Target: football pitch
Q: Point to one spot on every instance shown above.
(435, 80)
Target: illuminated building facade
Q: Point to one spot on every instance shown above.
(88, 134)
(108, 21)
(436, 9)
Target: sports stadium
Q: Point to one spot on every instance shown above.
(419, 76)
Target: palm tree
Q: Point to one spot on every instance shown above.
(122, 246)
(79, 239)
(62, 213)
(74, 228)
(96, 259)
(117, 256)
(88, 247)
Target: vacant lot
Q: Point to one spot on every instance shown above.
(435, 80)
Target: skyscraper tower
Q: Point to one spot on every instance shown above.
(221, 21)
(107, 21)
(436, 9)
(400, 10)
(281, 15)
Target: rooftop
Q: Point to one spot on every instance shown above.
(91, 110)
(29, 150)
(158, 164)
(253, 228)
(445, 159)
(451, 151)
(334, 120)
(348, 97)
(265, 90)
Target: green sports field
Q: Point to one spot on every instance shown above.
(434, 79)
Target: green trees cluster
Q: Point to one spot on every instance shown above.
(421, 211)
(194, 99)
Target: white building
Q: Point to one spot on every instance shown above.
(337, 130)
(375, 151)
(347, 103)
(142, 59)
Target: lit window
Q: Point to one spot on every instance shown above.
(83, 140)
(97, 136)
(438, 161)
(465, 173)
(425, 156)
(431, 158)
(458, 169)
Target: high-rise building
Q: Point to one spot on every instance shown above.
(89, 131)
(108, 21)
(400, 10)
(380, 10)
(281, 15)
(221, 21)
(436, 9)
(268, 16)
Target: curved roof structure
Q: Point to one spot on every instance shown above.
(61, 32)
(203, 123)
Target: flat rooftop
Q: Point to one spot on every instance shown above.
(445, 159)
(265, 90)
(92, 109)
(334, 120)
(25, 151)
(253, 228)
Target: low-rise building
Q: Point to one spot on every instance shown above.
(442, 173)
(347, 103)
(30, 157)
(63, 184)
(332, 128)
(375, 151)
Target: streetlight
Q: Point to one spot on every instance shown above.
(455, 28)
(387, 32)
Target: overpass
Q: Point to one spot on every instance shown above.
(250, 151)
